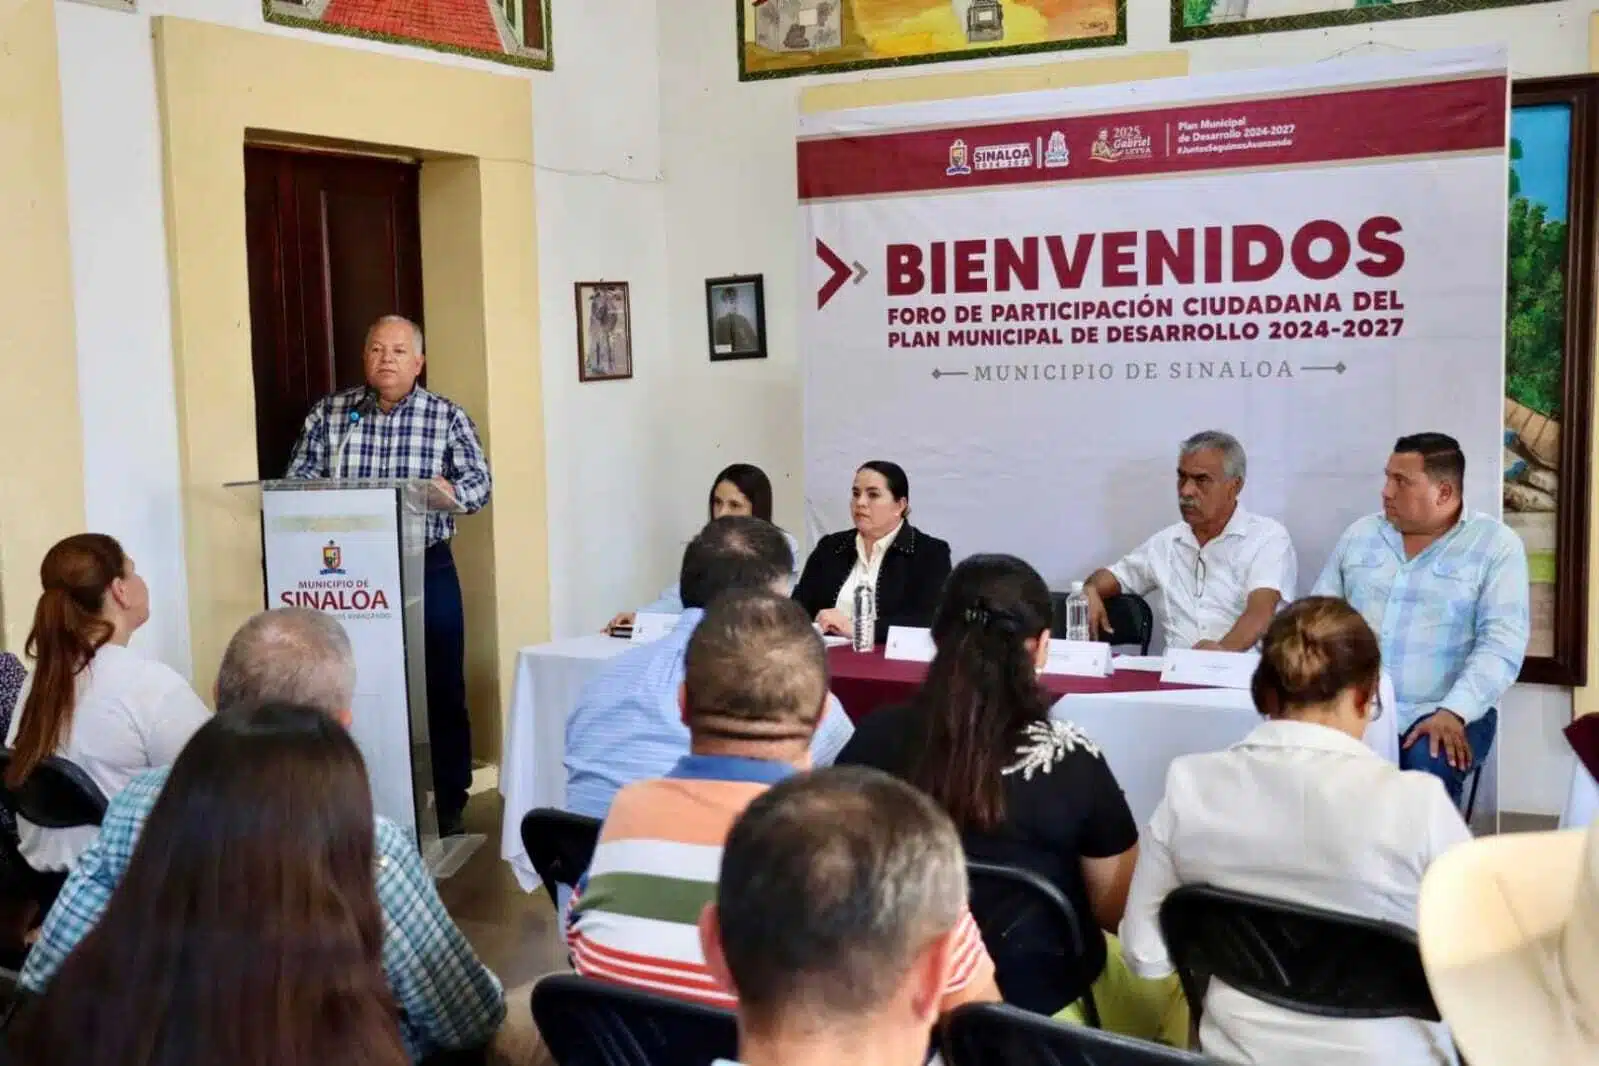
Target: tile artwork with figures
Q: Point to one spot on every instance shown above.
(786, 37)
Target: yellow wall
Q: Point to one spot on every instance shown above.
(41, 434)
(474, 131)
(1104, 70)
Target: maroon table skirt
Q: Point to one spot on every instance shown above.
(865, 683)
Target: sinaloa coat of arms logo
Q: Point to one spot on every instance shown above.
(332, 558)
(959, 160)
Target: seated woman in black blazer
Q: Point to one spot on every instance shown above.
(906, 566)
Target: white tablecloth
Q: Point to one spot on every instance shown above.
(1140, 733)
(533, 766)
(1582, 801)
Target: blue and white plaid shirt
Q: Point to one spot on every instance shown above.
(628, 727)
(347, 435)
(1452, 622)
(448, 1000)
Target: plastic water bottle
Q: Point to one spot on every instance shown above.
(1077, 627)
(864, 634)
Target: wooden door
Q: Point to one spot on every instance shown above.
(334, 242)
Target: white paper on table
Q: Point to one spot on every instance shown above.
(1153, 664)
(1217, 669)
(649, 627)
(1078, 658)
(912, 644)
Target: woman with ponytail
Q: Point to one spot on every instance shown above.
(89, 699)
(1023, 790)
(1301, 811)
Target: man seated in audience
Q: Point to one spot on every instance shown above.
(838, 919)
(1445, 590)
(755, 684)
(447, 999)
(1221, 572)
(627, 726)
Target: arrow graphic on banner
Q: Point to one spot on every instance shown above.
(842, 272)
(937, 373)
(1337, 368)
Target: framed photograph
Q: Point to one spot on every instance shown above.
(735, 317)
(1549, 338)
(1198, 20)
(604, 331)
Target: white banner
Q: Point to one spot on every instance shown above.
(1028, 301)
(338, 551)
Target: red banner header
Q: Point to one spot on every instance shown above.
(1424, 118)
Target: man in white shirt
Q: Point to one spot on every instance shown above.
(1221, 572)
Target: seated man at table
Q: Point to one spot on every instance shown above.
(1445, 590)
(626, 726)
(754, 687)
(1221, 572)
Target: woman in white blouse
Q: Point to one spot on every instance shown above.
(1303, 811)
(109, 710)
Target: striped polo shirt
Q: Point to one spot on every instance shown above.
(635, 915)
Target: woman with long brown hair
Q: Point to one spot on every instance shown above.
(246, 929)
(1301, 811)
(1023, 790)
(89, 698)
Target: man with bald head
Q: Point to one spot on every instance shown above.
(447, 999)
(391, 427)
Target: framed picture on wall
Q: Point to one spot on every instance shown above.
(735, 317)
(604, 331)
(1549, 337)
(1198, 20)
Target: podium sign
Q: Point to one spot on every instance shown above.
(338, 551)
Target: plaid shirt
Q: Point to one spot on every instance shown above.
(447, 998)
(1452, 622)
(347, 435)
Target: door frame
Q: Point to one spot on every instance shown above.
(220, 87)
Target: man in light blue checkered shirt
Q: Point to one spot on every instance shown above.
(1445, 590)
(448, 1000)
(627, 725)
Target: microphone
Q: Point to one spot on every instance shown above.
(337, 471)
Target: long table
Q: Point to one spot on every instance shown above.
(1140, 724)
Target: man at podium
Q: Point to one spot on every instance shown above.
(391, 427)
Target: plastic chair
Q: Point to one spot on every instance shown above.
(58, 794)
(1132, 620)
(993, 1034)
(560, 845)
(1034, 935)
(592, 1023)
(1299, 958)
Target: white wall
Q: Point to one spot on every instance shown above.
(656, 167)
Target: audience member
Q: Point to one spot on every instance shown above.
(447, 998)
(12, 676)
(1023, 790)
(1510, 939)
(740, 489)
(839, 915)
(904, 567)
(90, 699)
(1445, 589)
(627, 726)
(1221, 572)
(755, 682)
(1303, 811)
(245, 929)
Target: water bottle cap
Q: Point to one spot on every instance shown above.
(1077, 586)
